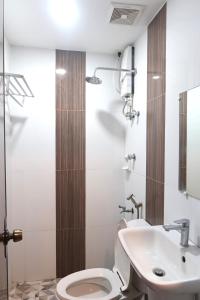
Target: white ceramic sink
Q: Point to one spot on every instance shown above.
(151, 247)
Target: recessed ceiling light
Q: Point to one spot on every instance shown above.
(64, 12)
(61, 71)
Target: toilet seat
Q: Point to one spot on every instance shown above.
(98, 284)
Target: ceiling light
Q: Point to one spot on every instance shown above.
(61, 71)
(64, 12)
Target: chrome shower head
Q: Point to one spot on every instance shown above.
(93, 80)
(96, 80)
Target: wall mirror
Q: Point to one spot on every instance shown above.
(189, 142)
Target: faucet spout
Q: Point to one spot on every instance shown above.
(172, 227)
(183, 226)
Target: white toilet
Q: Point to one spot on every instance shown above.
(100, 283)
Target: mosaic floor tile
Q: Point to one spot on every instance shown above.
(37, 290)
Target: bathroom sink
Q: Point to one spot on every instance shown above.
(160, 261)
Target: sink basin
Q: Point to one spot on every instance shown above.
(160, 261)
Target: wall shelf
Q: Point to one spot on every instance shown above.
(16, 87)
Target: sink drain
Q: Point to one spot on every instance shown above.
(159, 272)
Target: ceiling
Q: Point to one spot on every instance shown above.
(29, 23)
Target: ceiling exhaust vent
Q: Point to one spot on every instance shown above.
(125, 14)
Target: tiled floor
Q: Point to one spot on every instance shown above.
(38, 290)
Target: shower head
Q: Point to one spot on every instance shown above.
(93, 80)
(96, 80)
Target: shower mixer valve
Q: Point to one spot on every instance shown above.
(128, 111)
(130, 156)
(132, 114)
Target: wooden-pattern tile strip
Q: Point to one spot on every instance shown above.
(70, 140)
(71, 87)
(71, 199)
(155, 139)
(182, 140)
(70, 251)
(70, 162)
(154, 206)
(156, 118)
(58, 140)
(156, 62)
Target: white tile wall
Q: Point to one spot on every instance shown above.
(7, 121)
(135, 142)
(135, 184)
(31, 167)
(17, 261)
(183, 72)
(34, 257)
(105, 138)
(105, 192)
(108, 138)
(40, 263)
(100, 243)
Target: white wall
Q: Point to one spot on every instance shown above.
(31, 161)
(135, 181)
(183, 73)
(193, 143)
(7, 121)
(105, 138)
(31, 167)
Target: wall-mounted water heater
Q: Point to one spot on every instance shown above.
(127, 83)
(127, 79)
(127, 74)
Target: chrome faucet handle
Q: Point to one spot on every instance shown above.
(125, 210)
(122, 207)
(184, 222)
(130, 197)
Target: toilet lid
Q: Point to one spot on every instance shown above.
(68, 288)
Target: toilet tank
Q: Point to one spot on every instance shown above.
(122, 264)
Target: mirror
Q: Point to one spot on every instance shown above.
(189, 142)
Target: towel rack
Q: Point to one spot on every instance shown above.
(16, 87)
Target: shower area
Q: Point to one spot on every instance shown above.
(73, 160)
(51, 188)
(30, 171)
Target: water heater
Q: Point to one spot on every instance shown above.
(127, 79)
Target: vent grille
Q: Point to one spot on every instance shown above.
(125, 14)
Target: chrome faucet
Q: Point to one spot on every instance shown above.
(182, 225)
(125, 210)
(137, 205)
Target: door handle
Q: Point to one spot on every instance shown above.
(16, 236)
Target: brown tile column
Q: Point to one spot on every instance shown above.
(182, 140)
(70, 162)
(156, 119)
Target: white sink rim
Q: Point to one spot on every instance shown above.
(190, 285)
